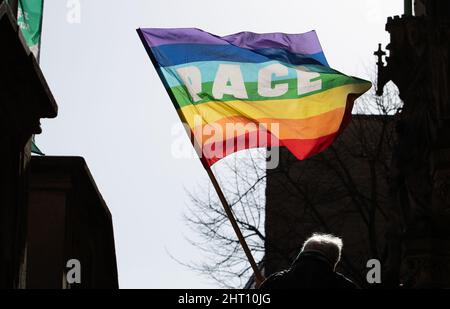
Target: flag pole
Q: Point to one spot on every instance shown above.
(259, 278)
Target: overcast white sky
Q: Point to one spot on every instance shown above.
(115, 113)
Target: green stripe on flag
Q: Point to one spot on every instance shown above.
(329, 81)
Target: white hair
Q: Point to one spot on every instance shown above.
(328, 245)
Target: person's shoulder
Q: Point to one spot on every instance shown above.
(344, 283)
(274, 281)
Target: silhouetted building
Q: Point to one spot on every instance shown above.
(50, 209)
(384, 186)
(343, 191)
(68, 219)
(419, 64)
(24, 99)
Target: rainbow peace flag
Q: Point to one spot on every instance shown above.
(249, 90)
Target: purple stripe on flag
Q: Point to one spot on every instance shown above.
(161, 36)
(306, 43)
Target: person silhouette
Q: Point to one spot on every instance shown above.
(314, 267)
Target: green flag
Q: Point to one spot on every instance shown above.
(35, 149)
(29, 19)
